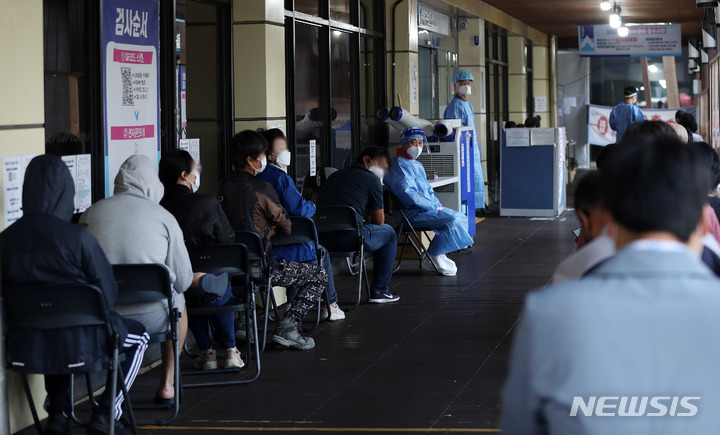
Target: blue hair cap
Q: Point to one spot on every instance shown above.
(462, 74)
(413, 133)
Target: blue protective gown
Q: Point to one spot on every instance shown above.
(458, 108)
(622, 116)
(408, 181)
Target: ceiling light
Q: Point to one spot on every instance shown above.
(615, 17)
(605, 5)
(642, 88)
(623, 31)
(663, 83)
(653, 68)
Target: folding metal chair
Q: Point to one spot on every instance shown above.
(233, 260)
(303, 231)
(259, 276)
(142, 283)
(45, 308)
(405, 228)
(335, 223)
(312, 184)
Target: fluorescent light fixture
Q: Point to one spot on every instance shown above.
(605, 5)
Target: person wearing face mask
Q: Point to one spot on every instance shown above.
(252, 205)
(407, 180)
(460, 108)
(360, 187)
(626, 113)
(202, 222)
(295, 205)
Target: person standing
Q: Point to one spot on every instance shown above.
(626, 113)
(460, 108)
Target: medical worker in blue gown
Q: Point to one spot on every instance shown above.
(408, 181)
(460, 108)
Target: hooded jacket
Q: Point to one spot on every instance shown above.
(133, 228)
(43, 248)
(201, 218)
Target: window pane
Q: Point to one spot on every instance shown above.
(308, 113)
(306, 6)
(369, 125)
(340, 10)
(367, 14)
(340, 90)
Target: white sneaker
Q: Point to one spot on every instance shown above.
(441, 265)
(447, 263)
(207, 360)
(233, 359)
(336, 313)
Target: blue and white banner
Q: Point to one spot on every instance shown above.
(131, 95)
(600, 133)
(647, 40)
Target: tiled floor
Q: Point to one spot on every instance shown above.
(434, 362)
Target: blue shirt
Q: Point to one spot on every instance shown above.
(622, 116)
(295, 205)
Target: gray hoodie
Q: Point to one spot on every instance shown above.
(132, 227)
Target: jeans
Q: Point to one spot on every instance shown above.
(326, 263)
(134, 346)
(381, 240)
(223, 324)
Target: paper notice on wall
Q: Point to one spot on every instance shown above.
(542, 136)
(192, 146)
(541, 104)
(413, 82)
(517, 137)
(12, 189)
(83, 182)
(71, 163)
(570, 101)
(313, 158)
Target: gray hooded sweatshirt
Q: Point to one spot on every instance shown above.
(133, 228)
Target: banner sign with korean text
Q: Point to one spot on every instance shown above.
(131, 95)
(647, 40)
(600, 133)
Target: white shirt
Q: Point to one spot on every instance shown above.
(579, 262)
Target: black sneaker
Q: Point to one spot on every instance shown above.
(383, 297)
(58, 424)
(240, 332)
(287, 333)
(100, 424)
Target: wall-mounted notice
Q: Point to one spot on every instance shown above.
(192, 146)
(71, 163)
(517, 137)
(542, 136)
(313, 157)
(83, 182)
(642, 41)
(541, 104)
(13, 168)
(130, 49)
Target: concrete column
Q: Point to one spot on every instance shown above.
(406, 55)
(541, 81)
(259, 63)
(517, 78)
(471, 57)
(22, 116)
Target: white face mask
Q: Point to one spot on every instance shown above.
(415, 152)
(465, 90)
(378, 172)
(263, 164)
(283, 159)
(196, 183)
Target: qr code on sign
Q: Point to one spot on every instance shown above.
(127, 89)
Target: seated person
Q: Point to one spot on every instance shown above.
(252, 205)
(360, 187)
(203, 222)
(133, 228)
(295, 205)
(407, 180)
(597, 229)
(43, 248)
(635, 325)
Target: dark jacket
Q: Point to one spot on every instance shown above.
(43, 248)
(201, 217)
(203, 222)
(252, 205)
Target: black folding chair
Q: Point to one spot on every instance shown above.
(45, 308)
(303, 231)
(312, 184)
(145, 283)
(259, 276)
(233, 260)
(405, 228)
(340, 222)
